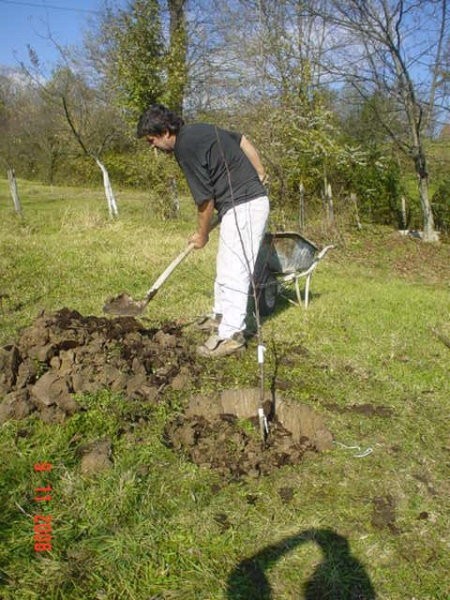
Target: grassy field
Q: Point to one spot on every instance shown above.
(156, 526)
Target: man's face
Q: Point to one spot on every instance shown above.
(164, 141)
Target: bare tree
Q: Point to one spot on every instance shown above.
(89, 117)
(263, 68)
(394, 48)
(248, 50)
(81, 137)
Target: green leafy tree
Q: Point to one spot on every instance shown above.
(175, 60)
(441, 204)
(140, 65)
(131, 55)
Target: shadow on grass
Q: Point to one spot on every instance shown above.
(339, 576)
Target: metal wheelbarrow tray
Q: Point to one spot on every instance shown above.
(285, 257)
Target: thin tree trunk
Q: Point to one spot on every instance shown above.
(429, 231)
(301, 216)
(110, 199)
(381, 29)
(112, 205)
(176, 62)
(14, 192)
(414, 114)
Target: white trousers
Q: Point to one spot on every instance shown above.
(241, 231)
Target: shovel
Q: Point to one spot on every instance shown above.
(123, 305)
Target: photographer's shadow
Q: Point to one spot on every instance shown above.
(339, 576)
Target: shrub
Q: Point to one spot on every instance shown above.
(441, 205)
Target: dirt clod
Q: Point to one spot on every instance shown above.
(222, 520)
(96, 457)
(286, 494)
(383, 515)
(251, 499)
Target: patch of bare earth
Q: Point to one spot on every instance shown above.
(222, 433)
(64, 354)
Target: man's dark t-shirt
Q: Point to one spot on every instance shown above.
(215, 167)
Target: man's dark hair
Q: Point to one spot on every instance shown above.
(158, 119)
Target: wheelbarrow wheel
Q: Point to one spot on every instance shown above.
(267, 295)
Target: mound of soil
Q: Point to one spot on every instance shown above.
(65, 353)
(222, 433)
(232, 451)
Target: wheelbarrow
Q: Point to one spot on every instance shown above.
(285, 258)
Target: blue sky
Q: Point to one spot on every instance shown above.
(25, 22)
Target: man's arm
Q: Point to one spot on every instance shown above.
(250, 151)
(205, 213)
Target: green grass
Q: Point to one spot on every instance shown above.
(156, 526)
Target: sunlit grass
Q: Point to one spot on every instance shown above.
(152, 526)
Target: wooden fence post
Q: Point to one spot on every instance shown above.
(354, 200)
(14, 192)
(404, 219)
(329, 204)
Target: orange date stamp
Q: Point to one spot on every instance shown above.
(42, 527)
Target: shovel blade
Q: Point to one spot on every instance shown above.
(123, 305)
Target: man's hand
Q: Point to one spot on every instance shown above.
(199, 240)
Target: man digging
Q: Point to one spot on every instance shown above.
(224, 173)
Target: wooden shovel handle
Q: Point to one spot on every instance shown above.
(168, 271)
(173, 265)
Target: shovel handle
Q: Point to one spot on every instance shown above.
(168, 271)
(173, 265)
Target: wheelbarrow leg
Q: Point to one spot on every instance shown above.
(308, 280)
(297, 291)
(311, 271)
